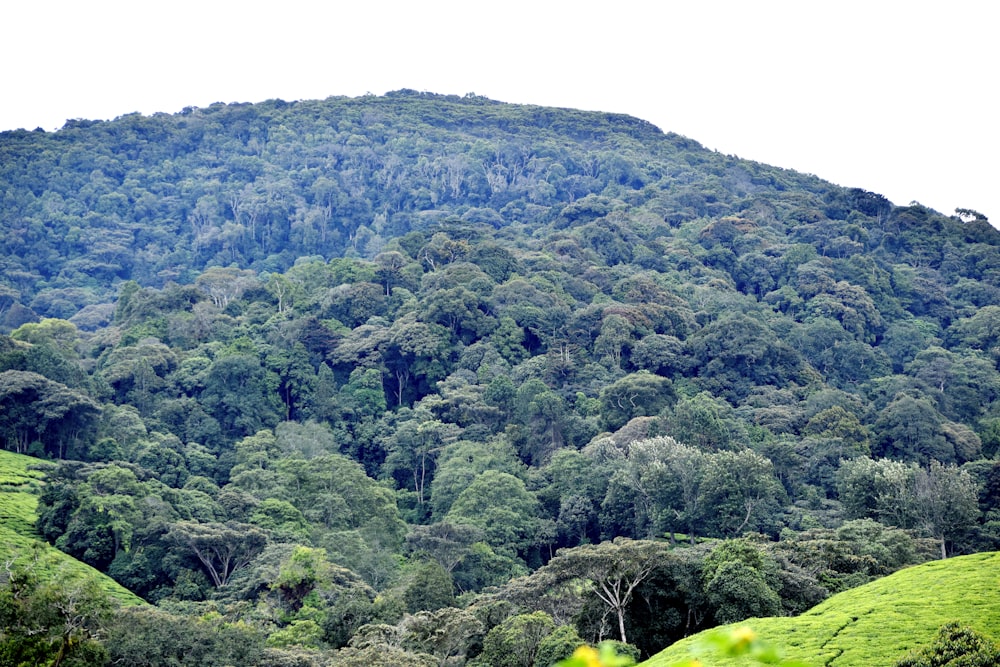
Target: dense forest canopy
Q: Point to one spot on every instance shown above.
(420, 377)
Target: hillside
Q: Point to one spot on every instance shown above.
(334, 368)
(19, 541)
(878, 623)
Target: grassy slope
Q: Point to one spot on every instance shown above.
(18, 539)
(877, 623)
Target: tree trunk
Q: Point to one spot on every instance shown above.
(621, 623)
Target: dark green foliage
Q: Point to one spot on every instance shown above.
(147, 636)
(636, 395)
(429, 588)
(240, 395)
(736, 575)
(43, 417)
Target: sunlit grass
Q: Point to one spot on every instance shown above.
(19, 541)
(18, 488)
(878, 623)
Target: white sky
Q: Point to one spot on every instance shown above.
(893, 97)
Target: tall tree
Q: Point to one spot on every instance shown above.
(612, 571)
(222, 548)
(947, 501)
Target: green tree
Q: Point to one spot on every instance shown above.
(501, 506)
(612, 571)
(635, 395)
(241, 395)
(36, 409)
(954, 646)
(557, 646)
(658, 353)
(946, 502)
(706, 423)
(57, 622)
(97, 511)
(739, 579)
(223, 285)
(516, 641)
(448, 634)
(460, 463)
(222, 548)
(542, 412)
(416, 352)
(614, 339)
(363, 395)
(149, 637)
(460, 310)
(446, 543)
(414, 449)
(909, 428)
(660, 485)
(882, 489)
(429, 588)
(296, 379)
(739, 493)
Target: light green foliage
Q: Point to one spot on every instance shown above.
(879, 622)
(20, 478)
(940, 501)
(363, 394)
(282, 519)
(460, 463)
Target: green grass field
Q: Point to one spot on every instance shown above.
(878, 623)
(19, 486)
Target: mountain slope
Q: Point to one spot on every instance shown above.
(160, 198)
(480, 314)
(19, 483)
(877, 623)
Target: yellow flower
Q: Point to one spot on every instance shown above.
(589, 656)
(743, 636)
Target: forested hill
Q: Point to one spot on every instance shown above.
(159, 199)
(390, 355)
